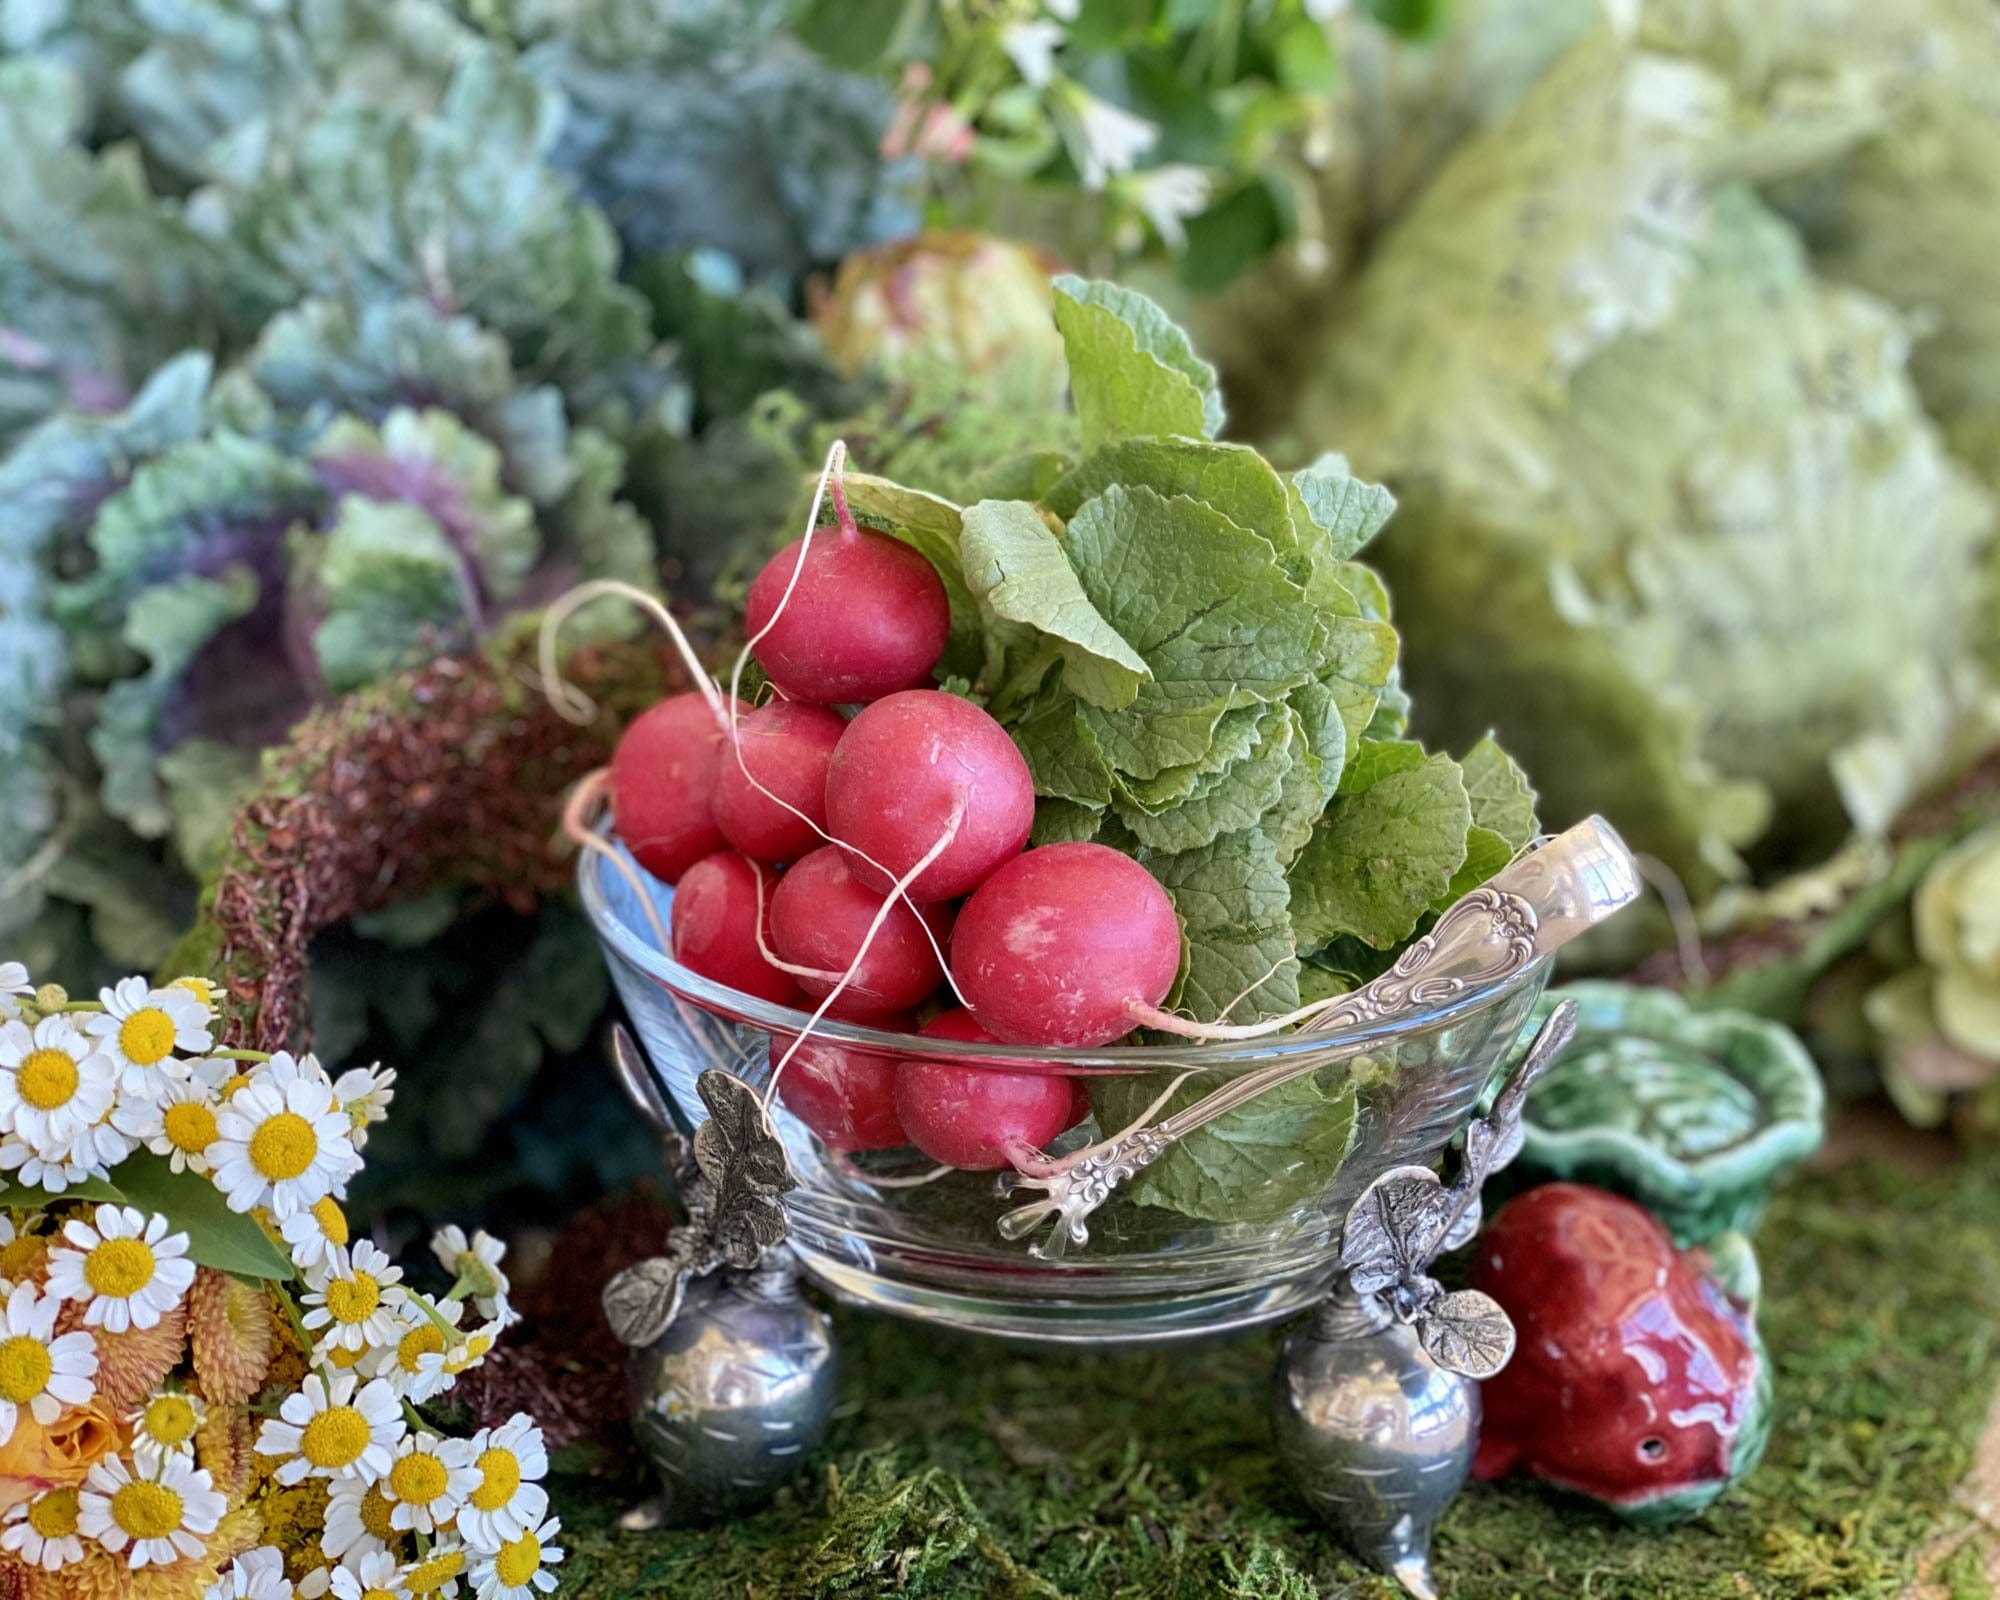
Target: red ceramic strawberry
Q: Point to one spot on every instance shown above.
(1637, 1379)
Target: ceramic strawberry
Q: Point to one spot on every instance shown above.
(1639, 1379)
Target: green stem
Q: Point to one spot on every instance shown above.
(424, 1305)
(418, 1420)
(259, 1056)
(298, 1325)
(83, 1005)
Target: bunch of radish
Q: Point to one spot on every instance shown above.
(857, 847)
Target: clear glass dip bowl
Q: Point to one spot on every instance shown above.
(933, 1251)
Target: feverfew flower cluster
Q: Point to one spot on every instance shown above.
(172, 1429)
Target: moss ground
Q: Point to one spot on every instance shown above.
(959, 1468)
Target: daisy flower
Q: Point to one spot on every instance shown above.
(128, 1271)
(179, 1121)
(357, 1522)
(15, 987)
(429, 1482)
(283, 1142)
(507, 1501)
(354, 1296)
(475, 1264)
(141, 1027)
(312, 1234)
(162, 1518)
(1168, 195)
(376, 1576)
(519, 1569)
(42, 1531)
(54, 1081)
(337, 1429)
(166, 1425)
(20, 1248)
(254, 1575)
(400, 1363)
(40, 1372)
(364, 1094)
(465, 1353)
(439, 1572)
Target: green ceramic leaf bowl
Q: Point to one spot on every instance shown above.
(1694, 1114)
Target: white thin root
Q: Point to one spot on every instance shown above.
(899, 891)
(847, 1168)
(1666, 883)
(576, 812)
(570, 702)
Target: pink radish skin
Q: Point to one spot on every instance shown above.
(847, 1096)
(1054, 946)
(662, 783)
(909, 765)
(867, 616)
(819, 918)
(977, 1118)
(714, 926)
(785, 747)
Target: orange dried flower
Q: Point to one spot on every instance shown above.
(230, 1328)
(132, 1364)
(225, 1450)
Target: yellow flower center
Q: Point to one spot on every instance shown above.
(25, 1368)
(473, 1350)
(335, 1438)
(379, 1594)
(236, 1081)
(54, 1515)
(418, 1479)
(500, 1476)
(146, 1037)
(146, 1510)
(419, 1341)
(435, 1573)
(200, 988)
(354, 1299)
(47, 1079)
(375, 1515)
(190, 1126)
(118, 1268)
(331, 1219)
(283, 1147)
(345, 1359)
(518, 1561)
(171, 1419)
(20, 1257)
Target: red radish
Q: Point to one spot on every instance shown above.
(846, 1095)
(914, 765)
(662, 778)
(867, 616)
(820, 918)
(714, 926)
(972, 1117)
(1079, 1104)
(784, 747)
(1057, 945)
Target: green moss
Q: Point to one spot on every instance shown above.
(961, 1468)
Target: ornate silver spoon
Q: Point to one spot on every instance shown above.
(1528, 910)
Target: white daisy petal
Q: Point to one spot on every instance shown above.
(127, 1271)
(334, 1429)
(509, 1499)
(40, 1372)
(282, 1142)
(160, 1519)
(519, 1569)
(141, 1027)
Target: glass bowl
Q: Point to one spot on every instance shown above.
(869, 1232)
